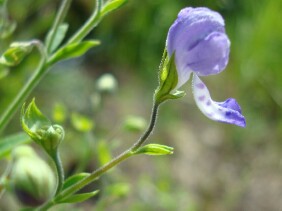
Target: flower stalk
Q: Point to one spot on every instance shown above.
(59, 169)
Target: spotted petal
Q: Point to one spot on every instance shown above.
(228, 111)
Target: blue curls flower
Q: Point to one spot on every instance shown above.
(198, 41)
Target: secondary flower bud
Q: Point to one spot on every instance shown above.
(32, 179)
(40, 128)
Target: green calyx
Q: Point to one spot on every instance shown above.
(40, 128)
(168, 79)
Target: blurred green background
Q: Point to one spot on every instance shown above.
(214, 166)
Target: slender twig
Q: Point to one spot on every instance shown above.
(91, 23)
(59, 169)
(148, 132)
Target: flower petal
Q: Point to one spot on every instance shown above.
(191, 26)
(210, 56)
(228, 111)
(198, 39)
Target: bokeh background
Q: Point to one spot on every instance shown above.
(214, 166)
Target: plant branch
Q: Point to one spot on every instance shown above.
(92, 22)
(59, 169)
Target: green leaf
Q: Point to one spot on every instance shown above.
(155, 149)
(33, 121)
(111, 6)
(72, 180)
(16, 52)
(73, 50)
(10, 142)
(77, 198)
(81, 123)
(59, 36)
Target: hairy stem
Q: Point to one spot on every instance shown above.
(126, 154)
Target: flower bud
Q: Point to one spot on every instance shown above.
(32, 179)
(40, 129)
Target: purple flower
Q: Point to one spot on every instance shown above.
(198, 39)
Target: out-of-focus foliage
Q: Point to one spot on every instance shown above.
(214, 166)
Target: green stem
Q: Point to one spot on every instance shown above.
(37, 75)
(150, 128)
(60, 170)
(89, 25)
(126, 154)
(24, 92)
(58, 20)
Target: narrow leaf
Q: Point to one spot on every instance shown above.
(73, 50)
(77, 198)
(155, 149)
(74, 179)
(111, 6)
(59, 36)
(10, 142)
(33, 121)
